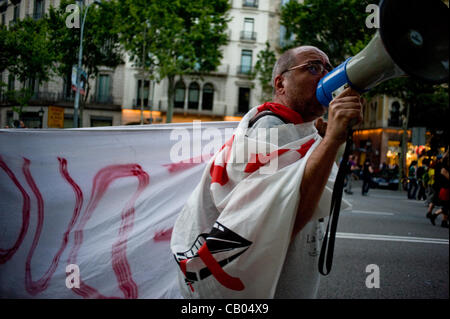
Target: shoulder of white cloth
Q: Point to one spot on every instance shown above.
(268, 121)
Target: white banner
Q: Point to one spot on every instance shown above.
(88, 213)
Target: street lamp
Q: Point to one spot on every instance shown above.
(80, 54)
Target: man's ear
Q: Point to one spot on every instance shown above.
(278, 85)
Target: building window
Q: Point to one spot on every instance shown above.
(10, 118)
(144, 92)
(194, 95)
(373, 114)
(246, 62)
(31, 119)
(208, 97)
(3, 8)
(394, 116)
(250, 3)
(16, 15)
(248, 32)
(103, 89)
(101, 121)
(180, 93)
(244, 100)
(39, 9)
(286, 39)
(11, 82)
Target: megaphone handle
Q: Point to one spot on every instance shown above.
(336, 199)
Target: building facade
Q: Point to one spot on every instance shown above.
(116, 95)
(227, 93)
(102, 107)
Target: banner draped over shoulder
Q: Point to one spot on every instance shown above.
(233, 237)
(102, 199)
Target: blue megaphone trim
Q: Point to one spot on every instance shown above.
(332, 81)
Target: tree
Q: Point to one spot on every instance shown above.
(181, 37)
(6, 48)
(336, 27)
(28, 56)
(100, 41)
(263, 71)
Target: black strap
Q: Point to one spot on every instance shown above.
(336, 199)
(264, 113)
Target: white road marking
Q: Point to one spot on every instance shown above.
(368, 212)
(393, 238)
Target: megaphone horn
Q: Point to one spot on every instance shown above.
(412, 40)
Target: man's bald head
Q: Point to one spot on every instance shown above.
(296, 88)
(289, 59)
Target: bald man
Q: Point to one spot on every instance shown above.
(245, 255)
(295, 78)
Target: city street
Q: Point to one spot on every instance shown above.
(390, 231)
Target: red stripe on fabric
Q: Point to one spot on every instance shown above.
(288, 114)
(305, 147)
(120, 264)
(35, 287)
(222, 277)
(183, 266)
(163, 235)
(259, 160)
(6, 254)
(219, 173)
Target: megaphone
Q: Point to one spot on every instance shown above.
(412, 40)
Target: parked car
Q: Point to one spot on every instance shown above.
(387, 179)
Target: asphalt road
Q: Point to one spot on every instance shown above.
(390, 231)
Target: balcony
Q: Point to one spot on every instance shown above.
(36, 15)
(244, 70)
(59, 99)
(101, 99)
(250, 3)
(248, 36)
(222, 70)
(137, 104)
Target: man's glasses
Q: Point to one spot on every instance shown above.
(314, 67)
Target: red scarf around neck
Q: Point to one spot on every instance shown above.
(288, 114)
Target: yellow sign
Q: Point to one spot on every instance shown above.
(55, 117)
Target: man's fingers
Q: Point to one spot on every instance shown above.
(348, 105)
(348, 91)
(351, 98)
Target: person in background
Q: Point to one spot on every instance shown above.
(421, 171)
(429, 182)
(443, 195)
(367, 177)
(412, 177)
(351, 166)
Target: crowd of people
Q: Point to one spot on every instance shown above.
(435, 180)
(428, 182)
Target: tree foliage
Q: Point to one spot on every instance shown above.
(263, 71)
(339, 29)
(100, 41)
(181, 37)
(28, 53)
(336, 27)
